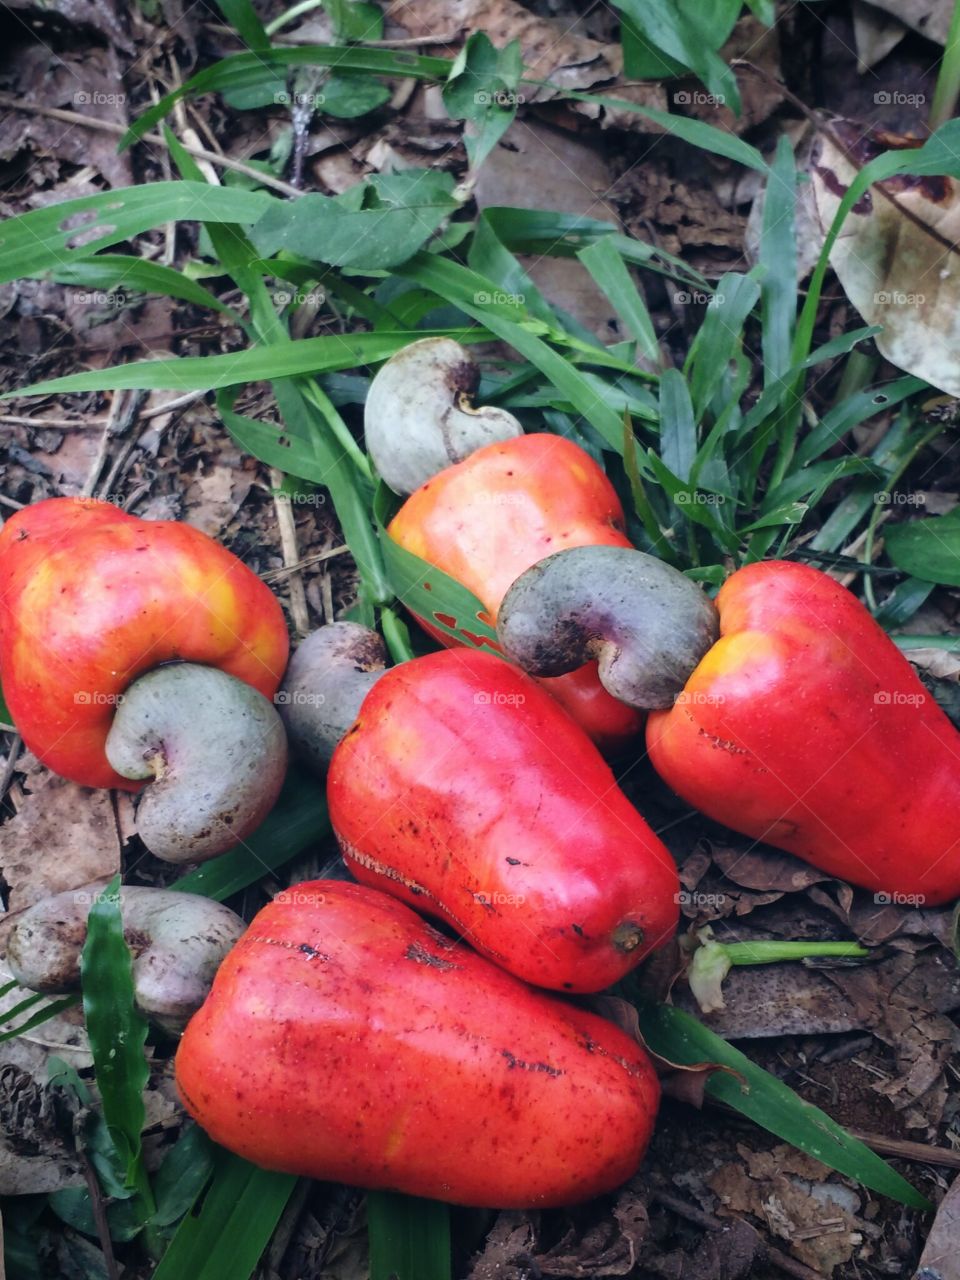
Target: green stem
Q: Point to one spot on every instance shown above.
(892, 479)
(948, 79)
(906, 643)
(288, 16)
(770, 952)
(395, 634)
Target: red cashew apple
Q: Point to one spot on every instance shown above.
(486, 501)
(90, 598)
(462, 788)
(785, 712)
(345, 1039)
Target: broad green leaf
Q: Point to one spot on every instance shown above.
(187, 1168)
(767, 1101)
(426, 590)
(238, 1214)
(298, 821)
(409, 1237)
(927, 549)
(117, 1030)
(482, 89)
(350, 96)
(60, 235)
(679, 32)
(373, 225)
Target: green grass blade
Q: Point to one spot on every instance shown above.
(32, 243)
(778, 257)
(117, 1030)
(249, 70)
(678, 429)
(298, 820)
(225, 1238)
(242, 16)
(116, 272)
(261, 363)
(409, 1237)
(769, 1102)
(610, 273)
(43, 1015)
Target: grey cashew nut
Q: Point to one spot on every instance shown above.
(419, 417)
(178, 941)
(216, 750)
(330, 674)
(646, 624)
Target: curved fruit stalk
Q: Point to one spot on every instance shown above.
(803, 725)
(463, 789)
(346, 1040)
(178, 940)
(90, 598)
(486, 520)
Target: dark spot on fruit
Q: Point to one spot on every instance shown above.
(577, 929)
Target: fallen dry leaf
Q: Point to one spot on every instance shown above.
(941, 1253)
(896, 261)
(931, 18)
(62, 836)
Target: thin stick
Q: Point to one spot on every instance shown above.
(11, 764)
(291, 553)
(272, 575)
(12, 103)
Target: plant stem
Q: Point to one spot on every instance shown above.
(770, 952)
(297, 11)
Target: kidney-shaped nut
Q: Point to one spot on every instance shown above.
(178, 941)
(330, 674)
(419, 416)
(216, 750)
(646, 624)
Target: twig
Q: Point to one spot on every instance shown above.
(11, 103)
(55, 424)
(99, 1214)
(11, 764)
(272, 575)
(902, 1149)
(123, 412)
(291, 553)
(709, 1223)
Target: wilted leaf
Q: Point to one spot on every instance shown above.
(941, 1254)
(896, 261)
